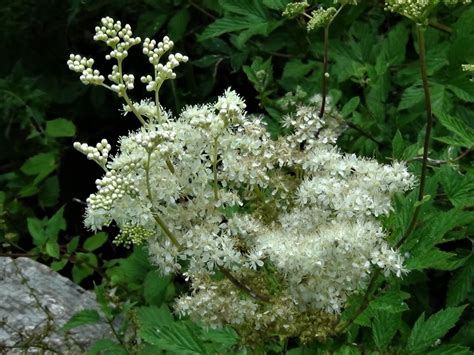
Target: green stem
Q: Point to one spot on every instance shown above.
(175, 242)
(325, 71)
(156, 217)
(429, 125)
(126, 98)
(326, 63)
(214, 170)
(421, 192)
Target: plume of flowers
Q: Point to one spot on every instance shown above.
(291, 223)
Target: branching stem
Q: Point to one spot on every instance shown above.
(421, 192)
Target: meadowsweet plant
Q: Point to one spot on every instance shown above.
(273, 235)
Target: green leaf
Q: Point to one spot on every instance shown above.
(96, 241)
(153, 316)
(458, 127)
(398, 145)
(35, 227)
(86, 316)
(49, 193)
(244, 7)
(73, 244)
(458, 187)
(52, 249)
(434, 259)
(425, 333)
(59, 265)
(394, 47)
(178, 23)
(55, 224)
(450, 350)
(154, 287)
(461, 284)
(226, 25)
(84, 266)
(180, 337)
(60, 127)
(106, 347)
(390, 302)
(412, 96)
(39, 165)
(384, 327)
(350, 106)
(279, 5)
(294, 71)
(225, 337)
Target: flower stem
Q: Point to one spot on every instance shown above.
(178, 245)
(421, 192)
(214, 170)
(325, 71)
(429, 125)
(325, 82)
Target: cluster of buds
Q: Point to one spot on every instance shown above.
(294, 9)
(117, 37)
(418, 10)
(99, 153)
(132, 235)
(469, 68)
(321, 18)
(111, 188)
(154, 52)
(84, 66)
(120, 39)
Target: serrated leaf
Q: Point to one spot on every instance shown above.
(40, 166)
(86, 316)
(412, 96)
(350, 106)
(96, 241)
(226, 25)
(181, 337)
(279, 5)
(106, 347)
(390, 302)
(154, 287)
(450, 350)
(394, 47)
(244, 7)
(60, 127)
(458, 127)
(461, 284)
(434, 259)
(425, 333)
(35, 227)
(55, 224)
(458, 187)
(225, 337)
(384, 327)
(153, 316)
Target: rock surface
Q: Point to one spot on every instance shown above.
(35, 302)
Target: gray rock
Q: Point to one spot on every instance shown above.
(35, 302)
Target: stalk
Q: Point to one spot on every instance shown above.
(424, 168)
(429, 125)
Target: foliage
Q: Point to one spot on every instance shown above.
(375, 82)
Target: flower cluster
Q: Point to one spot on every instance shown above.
(418, 10)
(468, 68)
(291, 223)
